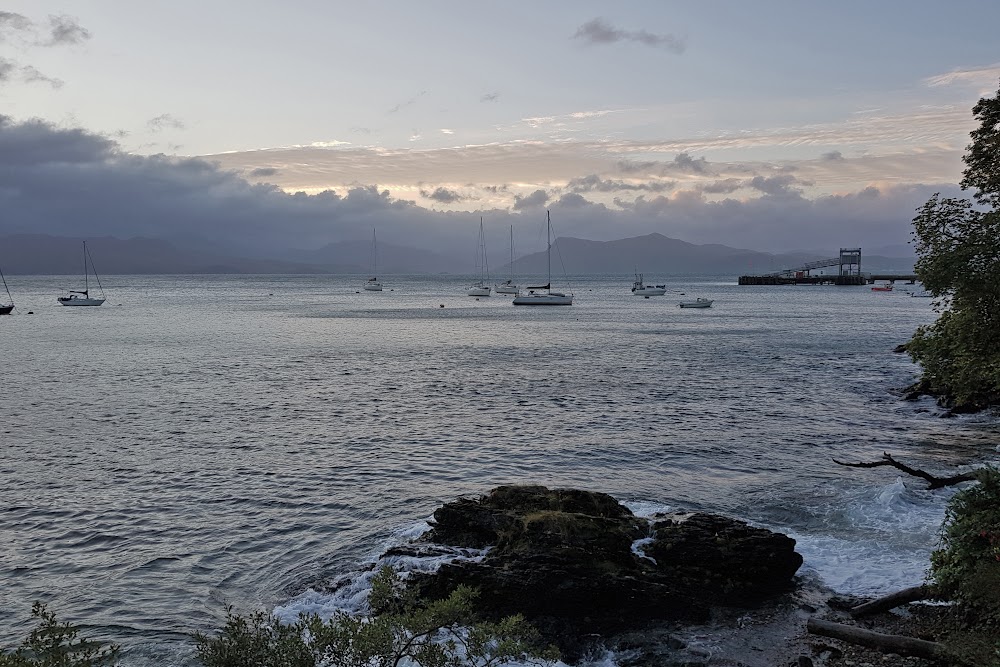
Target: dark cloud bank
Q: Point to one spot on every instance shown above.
(73, 183)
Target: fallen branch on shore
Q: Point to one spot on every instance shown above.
(892, 601)
(898, 644)
(933, 481)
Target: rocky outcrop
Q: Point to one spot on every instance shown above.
(579, 564)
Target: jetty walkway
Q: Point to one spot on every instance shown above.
(848, 273)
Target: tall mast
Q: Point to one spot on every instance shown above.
(512, 254)
(86, 282)
(548, 247)
(486, 262)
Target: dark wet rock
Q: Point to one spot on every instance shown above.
(899, 349)
(489, 520)
(564, 559)
(723, 560)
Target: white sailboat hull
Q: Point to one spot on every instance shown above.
(373, 287)
(506, 289)
(548, 299)
(479, 291)
(71, 301)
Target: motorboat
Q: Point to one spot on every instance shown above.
(882, 288)
(697, 303)
(506, 287)
(641, 289)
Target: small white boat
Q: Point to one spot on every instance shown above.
(481, 287)
(697, 303)
(506, 287)
(641, 289)
(373, 284)
(82, 297)
(546, 297)
(922, 295)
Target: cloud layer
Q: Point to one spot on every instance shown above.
(599, 31)
(26, 34)
(75, 183)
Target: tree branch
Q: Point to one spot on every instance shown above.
(933, 482)
(892, 601)
(905, 646)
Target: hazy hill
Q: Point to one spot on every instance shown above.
(653, 255)
(391, 258)
(54, 255)
(656, 254)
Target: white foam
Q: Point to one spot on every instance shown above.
(350, 594)
(877, 541)
(639, 548)
(646, 508)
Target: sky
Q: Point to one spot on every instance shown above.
(772, 125)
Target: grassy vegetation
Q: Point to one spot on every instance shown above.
(55, 644)
(440, 633)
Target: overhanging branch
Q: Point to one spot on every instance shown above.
(933, 481)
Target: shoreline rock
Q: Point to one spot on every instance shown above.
(582, 568)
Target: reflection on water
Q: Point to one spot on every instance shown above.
(203, 441)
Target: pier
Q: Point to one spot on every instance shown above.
(848, 264)
(848, 273)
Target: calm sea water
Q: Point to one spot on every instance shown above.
(207, 441)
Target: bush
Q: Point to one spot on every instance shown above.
(967, 567)
(55, 644)
(432, 634)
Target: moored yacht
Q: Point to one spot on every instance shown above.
(543, 295)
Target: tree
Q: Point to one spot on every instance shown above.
(403, 629)
(958, 245)
(55, 644)
(967, 566)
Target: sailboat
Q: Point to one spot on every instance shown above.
(6, 310)
(373, 284)
(82, 297)
(481, 287)
(548, 297)
(508, 286)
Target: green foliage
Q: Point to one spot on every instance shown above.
(439, 633)
(982, 158)
(967, 567)
(55, 644)
(959, 262)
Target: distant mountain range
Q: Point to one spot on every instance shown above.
(656, 254)
(652, 254)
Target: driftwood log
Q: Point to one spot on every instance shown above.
(933, 481)
(905, 646)
(892, 601)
